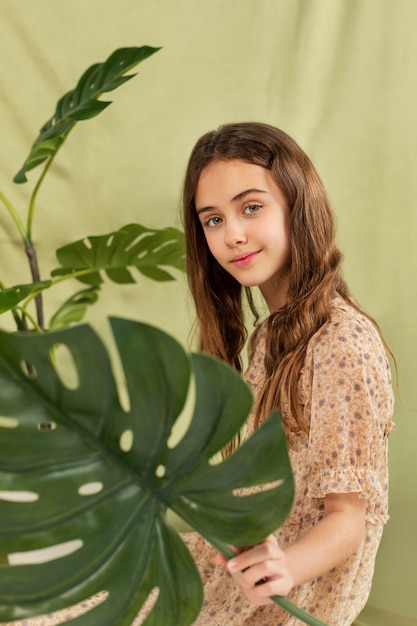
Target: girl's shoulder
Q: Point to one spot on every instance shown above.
(346, 357)
(349, 334)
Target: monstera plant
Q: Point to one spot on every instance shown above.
(80, 474)
(86, 483)
(113, 254)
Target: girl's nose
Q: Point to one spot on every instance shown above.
(235, 235)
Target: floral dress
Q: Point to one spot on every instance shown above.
(340, 447)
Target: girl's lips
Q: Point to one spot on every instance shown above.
(241, 260)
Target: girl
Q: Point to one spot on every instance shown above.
(256, 214)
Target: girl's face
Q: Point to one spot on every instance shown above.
(245, 218)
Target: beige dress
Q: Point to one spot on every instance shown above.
(345, 389)
(346, 392)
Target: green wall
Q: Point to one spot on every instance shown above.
(338, 75)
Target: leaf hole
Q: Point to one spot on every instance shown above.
(19, 496)
(216, 459)
(88, 243)
(47, 425)
(147, 606)
(140, 237)
(163, 245)
(123, 394)
(110, 241)
(8, 422)
(160, 471)
(28, 370)
(64, 365)
(249, 491)
(45, 555)
(126, 440)
(90, 489)
(182, 423)
(119, 377)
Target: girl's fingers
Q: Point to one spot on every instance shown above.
(261, 571)
(220, 559)
(265, 551)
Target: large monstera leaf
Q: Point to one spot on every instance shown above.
(85, 476)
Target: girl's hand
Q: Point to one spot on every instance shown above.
(261, 571)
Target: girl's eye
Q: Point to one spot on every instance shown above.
(251, 208)
(213, 221)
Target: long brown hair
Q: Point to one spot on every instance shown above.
(314, 274)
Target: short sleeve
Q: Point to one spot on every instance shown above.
(350, 409)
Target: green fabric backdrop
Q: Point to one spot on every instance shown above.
(338, 75)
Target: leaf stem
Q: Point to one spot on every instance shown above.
(31, 210)
(14, 215)
(20, 322)
(29, 249)
(53, 281)
(280, 600)
(27, 315)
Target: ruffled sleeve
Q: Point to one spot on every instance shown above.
(347, 383)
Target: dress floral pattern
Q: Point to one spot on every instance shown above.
(341, 446)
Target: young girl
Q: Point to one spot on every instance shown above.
(256, 214)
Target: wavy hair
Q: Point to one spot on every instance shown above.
(314, 272)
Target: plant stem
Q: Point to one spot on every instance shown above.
(52, 282)
(31, 210)
(280, 600)
(29, 247)
(14, 215)
(30, 253)
(25, 314)
(34, 268)
(20, 322)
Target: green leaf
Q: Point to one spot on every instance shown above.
(82, 103)
(11, 296)
(74, 309)
(56, 438)
(115, 254)
(133, 246)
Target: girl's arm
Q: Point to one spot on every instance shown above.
(324, 546)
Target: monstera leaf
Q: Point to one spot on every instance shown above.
(86, 481)
(11, 296)
(74, 308)
(82, 103)
(131, 246)
(150, 251)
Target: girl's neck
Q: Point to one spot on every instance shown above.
(275, 296)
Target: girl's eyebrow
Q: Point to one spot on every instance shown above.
(236, 198)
